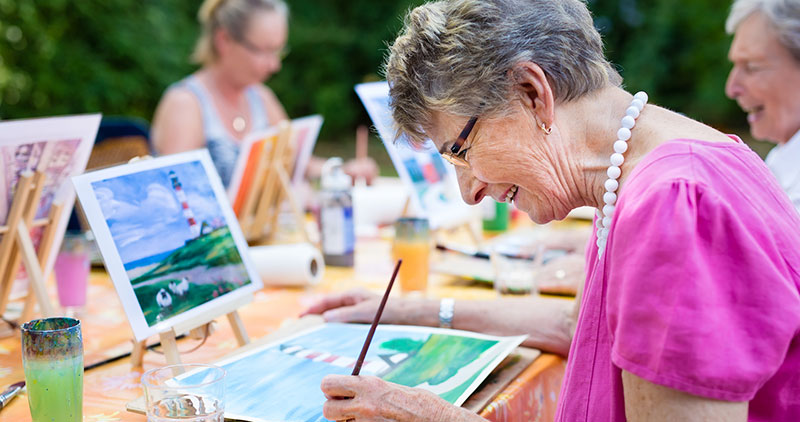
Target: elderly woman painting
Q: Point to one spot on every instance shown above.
(765, 80)
(691, 307)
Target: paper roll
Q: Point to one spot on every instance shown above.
(298, 264)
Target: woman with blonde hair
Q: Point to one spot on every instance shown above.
(691, 305)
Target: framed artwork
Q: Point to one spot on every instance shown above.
(58, 146)
(305, 131)
(431, 180)
(280, 381)
(169, 240)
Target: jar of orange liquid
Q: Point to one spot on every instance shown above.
(412, 245)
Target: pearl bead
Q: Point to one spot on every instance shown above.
(620, 146)
(623, 134)
(638, 104)
(613, 172)
(611, 185)
(606, 221)
(603, 242)
(609, 198)
(599, 241)
(628, 122)
(599, 222)
(608, 210)
(617, 159)
(632, 111)
(641, 96)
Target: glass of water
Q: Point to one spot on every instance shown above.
(185, 392)
(517, 273)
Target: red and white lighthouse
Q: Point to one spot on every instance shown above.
(187, 212)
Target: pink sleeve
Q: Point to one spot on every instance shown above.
(699, 298)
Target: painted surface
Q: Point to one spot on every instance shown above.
(172, 238)
(280, 381)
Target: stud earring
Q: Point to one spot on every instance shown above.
(545, 129)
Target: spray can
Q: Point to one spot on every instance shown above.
(336, 215)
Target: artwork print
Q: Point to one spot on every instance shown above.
(431, 180)
(281, 381)
(168, 241)
(57, 146)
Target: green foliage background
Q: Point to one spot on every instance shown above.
(118, 56)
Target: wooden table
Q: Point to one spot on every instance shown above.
(531, 396)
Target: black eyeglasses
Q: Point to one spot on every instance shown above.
(456, 156)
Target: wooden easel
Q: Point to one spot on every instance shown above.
(17, 245)
(200, 328)
(271, 184)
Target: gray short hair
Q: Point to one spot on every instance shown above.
(232, 16)
(784, 15)
(454, 56)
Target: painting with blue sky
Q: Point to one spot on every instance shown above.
(170, 233)
(281, 381)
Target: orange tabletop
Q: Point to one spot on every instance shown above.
(530, 397)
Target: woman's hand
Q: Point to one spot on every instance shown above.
(359, 305)
(371, 399)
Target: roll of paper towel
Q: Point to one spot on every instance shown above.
(298, 264)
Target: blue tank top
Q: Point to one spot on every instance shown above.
(223, 147)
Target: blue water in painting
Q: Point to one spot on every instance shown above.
(147, 260)
(275, 386)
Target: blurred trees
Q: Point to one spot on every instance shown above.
(118, 56)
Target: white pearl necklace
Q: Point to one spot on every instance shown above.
(605, 215)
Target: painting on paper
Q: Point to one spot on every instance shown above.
(431, 180)
(167, 235)
(57, 146)
(281, 381)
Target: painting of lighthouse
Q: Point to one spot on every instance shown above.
(167, 235)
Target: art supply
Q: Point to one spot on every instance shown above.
(10, 393)
(72, 270)
(495, 215)
(336, 215)
(173, 395)
(363, 354)
(412, 245)
(298, 264)
(52, 358)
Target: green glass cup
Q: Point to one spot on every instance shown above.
(52, 358)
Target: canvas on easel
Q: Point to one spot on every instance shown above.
(171, 244)
(261, 183)
(38, 157)
(431, 181)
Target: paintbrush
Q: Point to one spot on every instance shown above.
(364, 348)
(10, 393)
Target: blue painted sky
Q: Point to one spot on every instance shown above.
(143, 213)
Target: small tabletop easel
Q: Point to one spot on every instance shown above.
(270, 186)
(198, 328)
(17, 245)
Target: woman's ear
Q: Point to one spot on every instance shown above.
(222, 41)
(535, 91)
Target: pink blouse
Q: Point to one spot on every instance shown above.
(698, 289)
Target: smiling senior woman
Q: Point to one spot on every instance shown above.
(691, 308)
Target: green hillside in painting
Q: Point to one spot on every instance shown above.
(211, 250)
(436, 361)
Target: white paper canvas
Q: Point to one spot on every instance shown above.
(169, 240)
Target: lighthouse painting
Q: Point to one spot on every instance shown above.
(164, 225)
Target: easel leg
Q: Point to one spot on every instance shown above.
(137, 354)
(238, 328)
(169, 345)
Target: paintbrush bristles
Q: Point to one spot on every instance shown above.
(360, 361)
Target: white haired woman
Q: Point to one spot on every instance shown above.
(765, 80)
(691, 307)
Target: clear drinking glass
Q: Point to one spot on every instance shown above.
(412, 244)
(517, 274)
(52, 358)
(185, 393)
